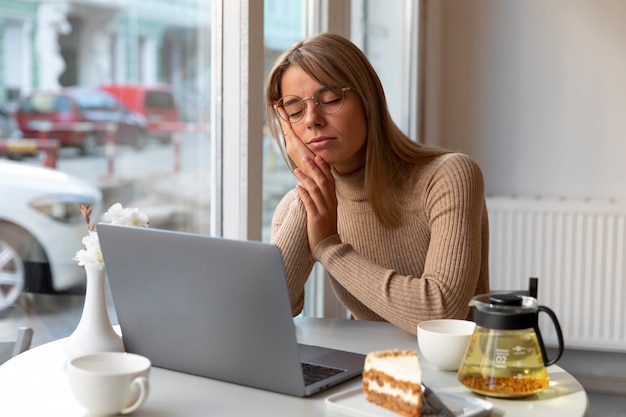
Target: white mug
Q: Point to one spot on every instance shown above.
(109, 383)
(443, 342)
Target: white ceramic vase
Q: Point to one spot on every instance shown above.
(94, 332)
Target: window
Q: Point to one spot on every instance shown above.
(159, 161)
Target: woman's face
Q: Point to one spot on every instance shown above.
(339, 138)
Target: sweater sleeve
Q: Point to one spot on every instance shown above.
(289, 233)
(453, 260)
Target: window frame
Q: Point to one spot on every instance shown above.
(238, 163)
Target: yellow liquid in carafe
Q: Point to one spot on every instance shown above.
(504, 363)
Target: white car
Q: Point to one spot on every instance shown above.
(41, 228)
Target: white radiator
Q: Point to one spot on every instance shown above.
(577, 249)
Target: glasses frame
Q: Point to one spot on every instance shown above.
(315, 102)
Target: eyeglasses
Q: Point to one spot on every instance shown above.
(327, 99)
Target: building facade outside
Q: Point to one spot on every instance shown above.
(47, 45)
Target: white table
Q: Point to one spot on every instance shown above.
(33, 383)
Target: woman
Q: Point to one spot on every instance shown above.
(401, 228)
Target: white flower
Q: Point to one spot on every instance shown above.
(116, 215)
(126, 216)
(92, 253)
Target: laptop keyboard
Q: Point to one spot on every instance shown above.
(314, 373)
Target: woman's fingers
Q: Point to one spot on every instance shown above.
(324, 183)
(316, 188)
(317, 192)
(296, 149)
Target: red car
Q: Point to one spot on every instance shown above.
(80, 118)
(155, 103)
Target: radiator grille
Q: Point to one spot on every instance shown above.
(577, 249)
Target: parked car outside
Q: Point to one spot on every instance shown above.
(80, 118)
(156, 103)
(41, 228)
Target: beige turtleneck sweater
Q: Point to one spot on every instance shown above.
(429, 267)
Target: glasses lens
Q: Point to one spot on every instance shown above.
(290, 108)
(329, 100)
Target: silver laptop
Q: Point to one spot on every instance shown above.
(213, 307)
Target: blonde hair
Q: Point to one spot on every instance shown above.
(331, 59)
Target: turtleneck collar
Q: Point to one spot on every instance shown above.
(351, 186)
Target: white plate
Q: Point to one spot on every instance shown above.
(353, 402)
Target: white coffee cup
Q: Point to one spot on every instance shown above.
(109, 383)
(443, 342)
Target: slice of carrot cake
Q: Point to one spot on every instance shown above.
(393, 379)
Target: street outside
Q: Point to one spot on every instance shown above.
(157, 178)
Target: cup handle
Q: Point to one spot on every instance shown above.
(144, 388)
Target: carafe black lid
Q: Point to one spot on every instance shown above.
(506, 299)
(505, 311)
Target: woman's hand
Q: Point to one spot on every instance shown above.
(296, 149)
(316, 188)
(317, 192)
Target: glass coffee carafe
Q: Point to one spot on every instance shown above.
(506, 356)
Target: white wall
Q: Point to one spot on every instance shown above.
(534, 90)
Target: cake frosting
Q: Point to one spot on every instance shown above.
(393, 379)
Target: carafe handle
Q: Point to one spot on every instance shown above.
(559, 335)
